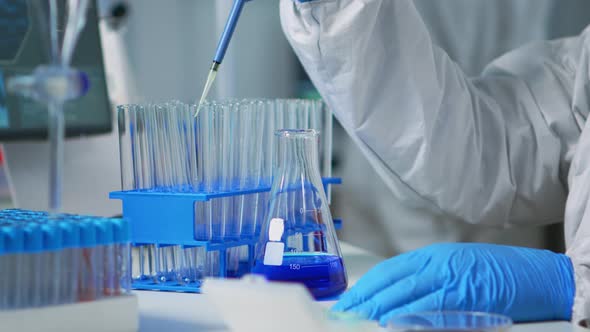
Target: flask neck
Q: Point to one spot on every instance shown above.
(298, 153)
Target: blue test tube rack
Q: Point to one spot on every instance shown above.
(148, 211)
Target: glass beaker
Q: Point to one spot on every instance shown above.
(297, 241)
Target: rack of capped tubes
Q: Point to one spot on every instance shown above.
(196, 189)
(49, 260)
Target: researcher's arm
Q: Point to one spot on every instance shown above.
(492, 150)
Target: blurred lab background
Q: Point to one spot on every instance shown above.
(160, 50)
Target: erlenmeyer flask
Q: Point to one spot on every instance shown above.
(297, 241)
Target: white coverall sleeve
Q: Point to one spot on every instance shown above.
(577, 224)
(492, 150)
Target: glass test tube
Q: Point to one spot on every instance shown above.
(327, 144)
(123, 263)
(88, 258)
(110, 278)
(147, 119)
(225, 158)
(126, 146)
(69, 275)
(146, 254)
(165, 263)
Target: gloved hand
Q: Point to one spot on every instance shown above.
(525, 284)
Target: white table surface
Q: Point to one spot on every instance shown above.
(179, 312)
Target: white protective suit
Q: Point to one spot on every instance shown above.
(473, 33)
(500, 149)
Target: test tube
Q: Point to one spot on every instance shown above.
(178, 155)
(186, 154)
(70, 266)
(192, 260)
(165, 263)
(51, 260)
(201, 131)
(304, 114)
(154, 133)
(148, 148)
(316, 117)
(291, 109)
(183, 271)
(255, 200)
(122, 256)
(206, 164)
(281, 122)
(246, 161)
(225, 158)
(32, 261)
(138, 120)
(271, 124)
(327, 144)
(197, 257)
(233, 170)
(87, 280)
(124, 263)
(233, 262)
(212, 267)
(218, 142)
(105, 253)
(237, 129)
(126, 147)
(268, 140)
(165, 147)
(202, 209)
(146, 262)
(190, 264)
(14, 237)
(14, 281)
(169, 137)
(11, 290)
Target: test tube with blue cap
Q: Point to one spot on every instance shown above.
(87, 279)
(11, 261)
(69, 272)
(51, 261)
(105, 259)
(32, 260)
(40, 255)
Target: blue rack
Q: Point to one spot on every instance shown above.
(147, 211)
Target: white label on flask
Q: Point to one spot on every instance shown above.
(273, 254)
(276, 229)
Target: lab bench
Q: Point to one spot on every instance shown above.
(168, 311)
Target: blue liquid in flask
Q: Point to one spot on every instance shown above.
(322, 274)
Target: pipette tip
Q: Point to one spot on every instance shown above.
(208, 84)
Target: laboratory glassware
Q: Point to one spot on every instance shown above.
(297, 241)
(51, 259)
(450, 321)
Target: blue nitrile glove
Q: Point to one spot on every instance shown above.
(525, 284)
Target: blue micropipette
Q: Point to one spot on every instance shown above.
(228, 31)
